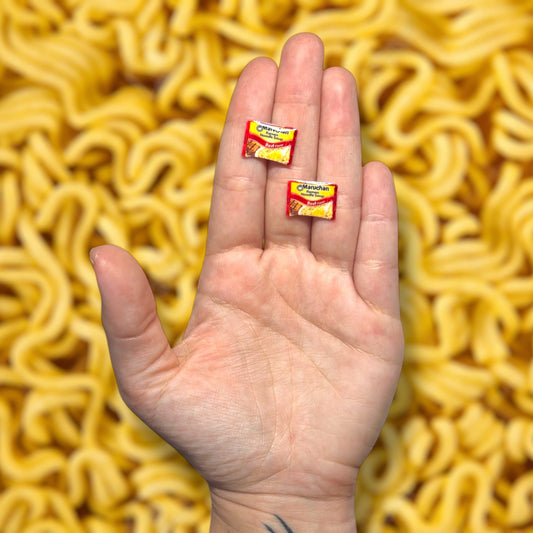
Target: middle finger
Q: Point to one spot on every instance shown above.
(297, 105)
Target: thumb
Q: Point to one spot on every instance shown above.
(139, 349)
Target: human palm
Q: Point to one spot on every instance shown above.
(290, 359)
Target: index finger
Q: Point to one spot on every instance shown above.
(237, 205)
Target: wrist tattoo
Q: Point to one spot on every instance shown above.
(282, 527)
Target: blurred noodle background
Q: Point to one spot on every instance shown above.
(110, 116)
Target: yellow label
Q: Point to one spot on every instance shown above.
(271, 133)
(313, 190)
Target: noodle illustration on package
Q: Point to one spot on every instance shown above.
(267, 141)
(311, 198)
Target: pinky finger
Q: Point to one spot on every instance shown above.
(376, 260)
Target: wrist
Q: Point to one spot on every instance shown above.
(250, 513)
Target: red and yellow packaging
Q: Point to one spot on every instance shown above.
(312, 198)
(268, 141)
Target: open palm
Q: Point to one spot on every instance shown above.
(292, 353)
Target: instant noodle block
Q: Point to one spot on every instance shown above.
(110, 119)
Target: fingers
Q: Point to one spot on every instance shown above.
(237, 206)
(339, 161)
(249, 195)
(376, 260)
(136, 339)
(296, 104)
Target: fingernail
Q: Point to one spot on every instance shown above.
(92, 255)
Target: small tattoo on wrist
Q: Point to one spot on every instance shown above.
(282, 527)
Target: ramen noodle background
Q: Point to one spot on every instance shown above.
(110, 116)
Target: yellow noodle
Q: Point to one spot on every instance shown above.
(33, 467)
(181, 19)
(176, 516)
(417, 321)
(445, 449)
(391, 474)
(470, 105)
(16, 122)
(10, 203)
(19, 504)
(479, 431)
(461, 227)
(146, 58)
(231, 30)
(449, 160)
(332, 24)
(165, 477)
(520, 508)
(420, 441)
(93, 475)
(40, 405)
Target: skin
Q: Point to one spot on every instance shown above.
(288, 365)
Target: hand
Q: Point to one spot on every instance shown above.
(288, 365)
